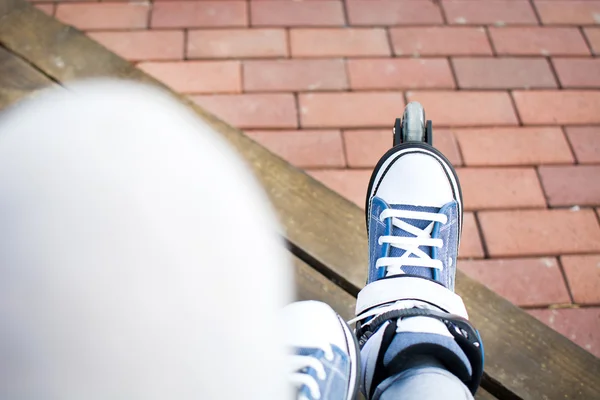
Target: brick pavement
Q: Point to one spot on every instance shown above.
(513, 88)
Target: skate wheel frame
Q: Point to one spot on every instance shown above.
(413, 126)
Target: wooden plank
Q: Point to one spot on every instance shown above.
(484, 395)
(311, 285)
(523, 356)
(18, 79)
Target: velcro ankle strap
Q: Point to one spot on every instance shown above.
(385, 291)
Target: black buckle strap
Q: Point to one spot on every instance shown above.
(465, 335)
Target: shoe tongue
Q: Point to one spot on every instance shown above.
(396, 252)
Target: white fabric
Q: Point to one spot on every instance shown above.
(324, 325)
(386, 291)
(311, 324)
(422, 173)
(138, 254)
(410, 245)
(431, 180)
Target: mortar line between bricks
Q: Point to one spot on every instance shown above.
(515, 108)
(460, 151)
(554, 72)
(398, 89)
(528, 257)
(536, 13)
(310, 168)
(562, 306)
(453, 72)
(388, 37)
(587, 305)
(545, 306)
(488, 35)
(566, 281)
(320, 28)
(298, 111)
(242, 67)
(360, 56)
(484, 247)
(347, 72)
(539, 176)
(150, 12)
(186, 36)
(597, 215)
(586, 40)
(345, 150)
(443, 12)
(554, 306)
(248, 13)
(571, 149)
(288, 43)
(345, 13)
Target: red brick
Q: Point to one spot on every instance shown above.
(466, 108)
(523, 281)
(569, 12)
(578, 72)
(538, 41)
(593, 37)
(513, 146)
(583, 275)
(585, 141)
(470, 242)
(235, 43)
(489, 188)
(197, 76)
(350, 110)
(304, 149)
(297, 13)
(350, 42)
(498, 12)
(364, 148)
(48, 8)
(444, 141)
(387, 73)
(192, 14)
(351, 184)
(539, 232)
(143, 45)
(295, 75)
(393, 12)
(440, 41)
(571, 185)
(578, 324)
(558, 107)
(104, 15)
(503, 73)
(252, 111)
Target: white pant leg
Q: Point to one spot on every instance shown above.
(138, 257)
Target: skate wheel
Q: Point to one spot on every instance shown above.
(413, 123)
(413, 127)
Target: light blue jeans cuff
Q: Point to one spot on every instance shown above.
(426, 379)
